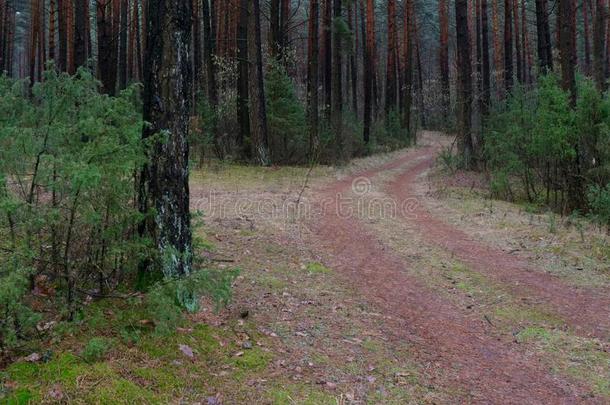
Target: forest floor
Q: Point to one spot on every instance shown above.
(391, 280)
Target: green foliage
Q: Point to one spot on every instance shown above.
(540, 148)
(96, 349)
(67, 160)
(288, 137)
(167, 300)
(599, 199)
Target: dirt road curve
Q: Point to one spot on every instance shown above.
(463, 351)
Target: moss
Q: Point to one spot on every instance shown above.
(534, 333)
(299, 393)
(317, 268)
(120, 391)
(164, 379)
(21, 396)
(255, 359)
(372, 345)
(529, 315)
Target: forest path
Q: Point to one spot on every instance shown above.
(462, 348)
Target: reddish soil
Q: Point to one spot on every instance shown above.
(587, 311)
(461, 350)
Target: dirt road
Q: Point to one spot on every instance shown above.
(463, 350)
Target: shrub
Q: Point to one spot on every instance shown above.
(67, 161)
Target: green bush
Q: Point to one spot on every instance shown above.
(68, 155)
(541, 149)
(288, 135)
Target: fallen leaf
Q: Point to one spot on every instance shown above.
(187, 351)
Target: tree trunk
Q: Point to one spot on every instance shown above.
(337, 84)
(464, 83)
(527, 53)
(566, 48)
(123, 43)
(353, 58)
(274, 28)
(368, 40)
(443, 12)
(81, 15)
(517, 34)
(209, 50)
(105, 46)
(243, 113)
(508, 45)
(164, 179)
(391, 87)
(485, 91)
(498, 49)
(599, 26)
(258, 112)
(545, 52)
(312, 77)
(408, 67)
(586, 33)
(327, 38)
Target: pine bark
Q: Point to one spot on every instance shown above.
(313, 55)
(464, 137)
(566, 48)
(327, 65)
(545, 52)
(243, 113)
(498, 49)
(443, 12)
(337, 83)
(599, 26)
(486, 90)
(517, 35)
(508, 45)
(369, 40)
(391, 73)
(164, 179)
(258, 113)
(81, 15)
(123, 27)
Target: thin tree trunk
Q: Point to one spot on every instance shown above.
(123, 26)
(566, 48)
(545, 54)
(312, 76)
(599, 25)
(485, 91)
(164, 179)
(327, 38)
(464, 83)
(368, 40)
(391, 89)
(197, 59)
(243, 113)
(408, 68)
(81, 15)
(258, 113)
(337, 84)
(498, 49)
(443, 12)
(353, 58)
(586, 33)
(517, 35)
(508, 45)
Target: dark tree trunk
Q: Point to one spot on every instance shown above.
(391, 74)
(408, 67)
(274, 28)
(508, 45)
(485, 91)
(258, 112)
(209, 50)
(197, 59)
(164, 179)
(337, 83)
(464, 66)
(353, 58)
(566, 48)
(368, 39)
(243, 113)
(81, 15)
(327, 38)
(518, 50)
(105, 46)
(62, 62)
(443, 12)
(586, 33)
(599, 26)
(545, 52)
(123, 44)
(312, 77)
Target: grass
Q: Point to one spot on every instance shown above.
(317, 268)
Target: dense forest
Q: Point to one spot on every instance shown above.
(107, 107)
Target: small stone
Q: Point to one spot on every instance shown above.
(247, 345)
